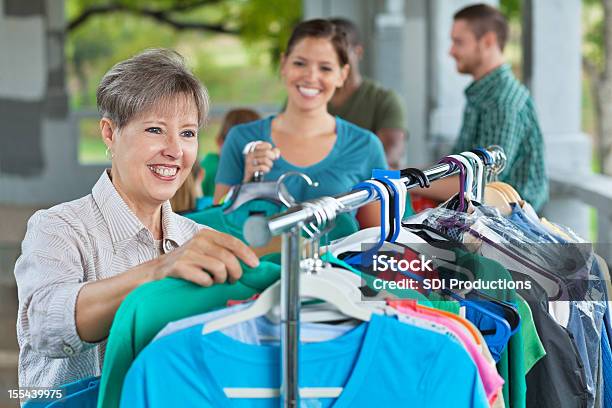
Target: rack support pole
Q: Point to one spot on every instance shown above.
(290, 317)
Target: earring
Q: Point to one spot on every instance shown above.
(112, 155)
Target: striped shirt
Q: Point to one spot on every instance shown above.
(499, 110)
(66, 246)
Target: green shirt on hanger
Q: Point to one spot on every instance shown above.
(533, 348)
(148, 308)
(519, 356)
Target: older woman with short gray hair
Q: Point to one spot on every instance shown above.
(80, 259)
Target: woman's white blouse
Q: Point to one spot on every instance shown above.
(65, 247)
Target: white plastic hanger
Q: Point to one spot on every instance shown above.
(479, 174)
(469, 179)
(312, 286)
(354, 243)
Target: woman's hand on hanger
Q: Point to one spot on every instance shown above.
(209, 257)
(260, 159)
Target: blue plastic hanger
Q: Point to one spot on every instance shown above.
(395, 223)
(485, 155)
(372, 189)
(499, 337)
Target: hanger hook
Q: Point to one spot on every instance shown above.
(316, 229)
(417, 174)
(452, 164)
(469, 182)
(284, 196)
(499, 160)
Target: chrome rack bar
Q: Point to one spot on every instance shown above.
(259, 230)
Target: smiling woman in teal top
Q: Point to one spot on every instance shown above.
(305, 137)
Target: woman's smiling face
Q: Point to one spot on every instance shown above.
(154, 153)
(312, 72)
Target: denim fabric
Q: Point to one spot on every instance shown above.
(87, 398)
(606, 357)
(519, 218)
(586, 325)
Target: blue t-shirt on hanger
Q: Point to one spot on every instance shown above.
(380, 363)
(356, 152)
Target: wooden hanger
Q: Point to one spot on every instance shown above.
(509, 191)
(495, 198)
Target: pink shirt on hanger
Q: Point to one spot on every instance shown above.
(491, 379)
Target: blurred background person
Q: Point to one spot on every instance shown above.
(366, 103)
(499, 109)
(189, 197)
(210, 162)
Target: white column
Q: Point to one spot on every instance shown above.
(415, 75)
(552, 56)
(390, 54)
(33, 107)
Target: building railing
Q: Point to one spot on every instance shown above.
(594, 190)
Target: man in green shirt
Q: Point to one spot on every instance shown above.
(499, 109)
(367, 104)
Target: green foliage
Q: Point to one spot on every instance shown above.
(511, 9)
(93, 48)
(272, 19)
(257, 21)
(593, 32)
(76, 7)
(236, 68)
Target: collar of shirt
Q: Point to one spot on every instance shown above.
(478, 91)
(122, 222)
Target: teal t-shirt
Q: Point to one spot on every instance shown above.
(356, 152)
(148, 308)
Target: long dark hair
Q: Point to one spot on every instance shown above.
(320, 28)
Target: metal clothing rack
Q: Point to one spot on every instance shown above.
(259, 230)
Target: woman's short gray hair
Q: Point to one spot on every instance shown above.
(138, 83)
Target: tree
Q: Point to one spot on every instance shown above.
(102, 32)
(254, 20)
(597, 63)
